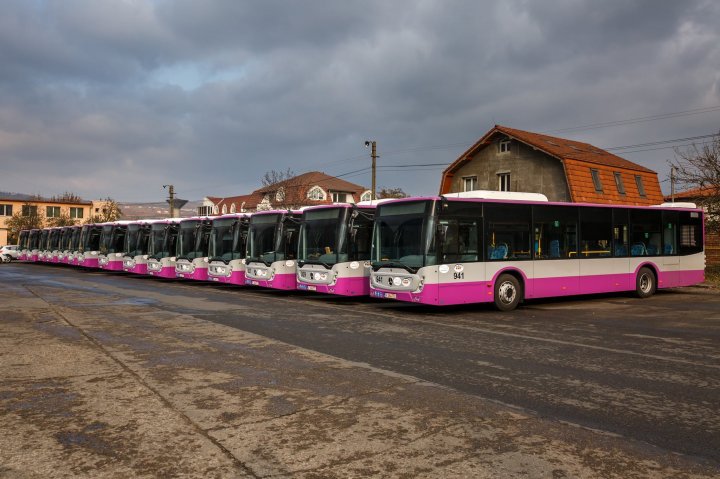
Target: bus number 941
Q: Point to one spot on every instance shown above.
(459, 275)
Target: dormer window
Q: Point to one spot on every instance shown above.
(504, 146)
(596, 180)
(224, 209)
(316, 193)
(366, 196)
(280, 194)
(232, 208)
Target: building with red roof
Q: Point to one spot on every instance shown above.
(507, 159)
(312, 188)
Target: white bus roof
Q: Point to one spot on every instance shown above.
(680, 204)
(498, 195)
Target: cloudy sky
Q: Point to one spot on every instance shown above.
(119, 97)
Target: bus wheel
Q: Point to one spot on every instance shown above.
(508, 292)
(645, 283)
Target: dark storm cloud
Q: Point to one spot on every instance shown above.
(119, 97)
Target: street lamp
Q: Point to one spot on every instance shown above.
(374, 156)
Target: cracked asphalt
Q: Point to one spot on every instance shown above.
(108, 375)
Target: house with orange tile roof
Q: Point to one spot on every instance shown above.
(507, 159)
(307, 189)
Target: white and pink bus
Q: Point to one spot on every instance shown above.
(228, 241)
(192, 248)
(33, 248)
(334, 249)
(161, 248)
(65, 237)
(272, 249)
(89, 249)
(455, 250)
(137, 243)
(23, 241)
(69, 255)
(43, 245)
(112, 245)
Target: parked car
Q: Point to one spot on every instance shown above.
(9, 252)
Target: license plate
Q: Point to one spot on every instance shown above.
(390, 295)
(180, 275)
(255, 283)
(312, 288)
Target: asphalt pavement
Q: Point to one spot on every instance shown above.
(109, 375)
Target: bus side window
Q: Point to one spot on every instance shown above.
(460, 240)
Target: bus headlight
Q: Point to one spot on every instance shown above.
(406, 282)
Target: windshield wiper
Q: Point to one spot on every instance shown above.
(303, 262)
(376, 265)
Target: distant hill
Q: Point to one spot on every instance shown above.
(160, 209)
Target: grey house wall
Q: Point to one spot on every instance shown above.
(530, 170)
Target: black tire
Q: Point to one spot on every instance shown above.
(645, 283)
(508, 292)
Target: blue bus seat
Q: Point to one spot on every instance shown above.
(638, 249)
(555, 249)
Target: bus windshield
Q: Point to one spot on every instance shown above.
(323, 236)
(23, 240)
(75, 238)
(272, 237)
(228, 239)
(54, 239)
(112, 238)
(161, 243)
(136, 240)
(262, 239)
(193, 239)
(404, 236)
(91, 238)
(65, 238)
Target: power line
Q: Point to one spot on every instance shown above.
(642, 119)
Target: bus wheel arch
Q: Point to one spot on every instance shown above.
(509, 290)
(646, 281)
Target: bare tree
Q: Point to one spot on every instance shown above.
(67, 197)
(698, 168)
(274, 176)
(386, 192)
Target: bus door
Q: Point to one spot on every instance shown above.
(555, 251)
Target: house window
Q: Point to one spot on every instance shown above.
(619, 183)
(504, 182)
(504, 146)
(215, 209)
(52, 211)
(6, 210)
(205, 210)
(76, 213)
(233, 209)
(366, 196)
(640, 186)
(316, 193)
(224, 209)
(470, 183)
(339, 197)
(280, 194)
(29, 210)
(596, 180)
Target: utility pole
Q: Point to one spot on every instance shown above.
(672, 184)
(171, 199)
(374, 156)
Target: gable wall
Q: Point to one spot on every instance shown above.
(530, 171)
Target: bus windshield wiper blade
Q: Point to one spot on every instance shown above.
(393, 264)
(315, 261)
